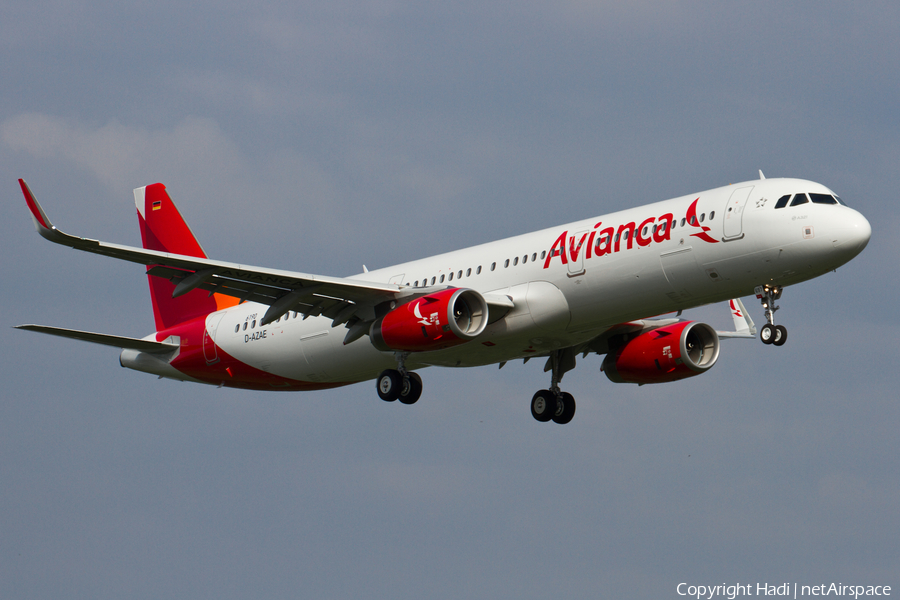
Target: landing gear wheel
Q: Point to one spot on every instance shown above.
(780, 335)
(389, 384)
(543, 405)
(767, 333)
(565, 409)
(411, 389)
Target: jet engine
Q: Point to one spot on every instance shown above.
(433, 322)
(665, 354)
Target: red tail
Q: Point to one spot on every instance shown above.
(163, 229)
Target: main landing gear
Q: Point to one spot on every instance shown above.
(399, 384)
(771, 333)
(553, 404)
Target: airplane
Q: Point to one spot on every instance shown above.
(598, 285)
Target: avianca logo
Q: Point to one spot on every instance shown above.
(611, 239)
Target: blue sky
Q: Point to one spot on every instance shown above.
(318, 138)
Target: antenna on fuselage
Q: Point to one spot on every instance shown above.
(761, 176)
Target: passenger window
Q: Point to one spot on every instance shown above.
(442, 279)
(245, 325)
(433, 280)
(469, 272)
(702, 217)
(782, 202)
(543, 254)
(534, 257)
(493, 266)
(822, 199)
(478, 270)
(682, 222)
(253, 324)
(524, 259)
(712, 215)
(459, 275)
(515, 261)
(799, 199)
(237, 327)
(451, 276)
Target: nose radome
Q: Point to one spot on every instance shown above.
(853, 234)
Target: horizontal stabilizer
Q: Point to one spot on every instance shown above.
(116, 341)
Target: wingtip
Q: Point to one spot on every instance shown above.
(41, 222)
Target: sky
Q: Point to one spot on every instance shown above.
(319, 137)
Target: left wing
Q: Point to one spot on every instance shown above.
(345, 301)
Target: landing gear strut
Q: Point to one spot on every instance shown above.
(554, 404)
(399, 384)
(771, 333)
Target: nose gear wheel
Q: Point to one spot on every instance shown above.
(771, 333)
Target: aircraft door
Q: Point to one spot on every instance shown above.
(576, 249)
(734, 213)
(209, 337)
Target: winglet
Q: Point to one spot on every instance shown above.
(743, 324)
(41, 222)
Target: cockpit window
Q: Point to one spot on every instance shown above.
(841, 202)
(782, 202)
(799, 199)
(822, 199)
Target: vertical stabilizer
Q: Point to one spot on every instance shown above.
(164, 229)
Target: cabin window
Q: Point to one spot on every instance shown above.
(515, 261)
(253, 324)
(237, 327)
(702, 217)
(478, 270)
(493, 266)
(524, 259)
(442, 279)
(451, 276)
(543, 254)
(469, 272)
(245, 325)
(459, 275)
(712, 215)
(506, 264)
(682, 221)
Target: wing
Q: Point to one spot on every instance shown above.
(345, 301)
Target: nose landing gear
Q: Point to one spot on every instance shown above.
(771, 333)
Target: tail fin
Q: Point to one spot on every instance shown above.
(164, 229)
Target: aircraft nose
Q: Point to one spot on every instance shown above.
(853, 233)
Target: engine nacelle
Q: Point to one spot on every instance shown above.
(666, 354)
(433, 322)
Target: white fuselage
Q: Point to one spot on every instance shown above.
(738, 241)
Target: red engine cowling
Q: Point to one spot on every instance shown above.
(447, 318)
(666, 354)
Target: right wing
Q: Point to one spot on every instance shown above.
(345, 301)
